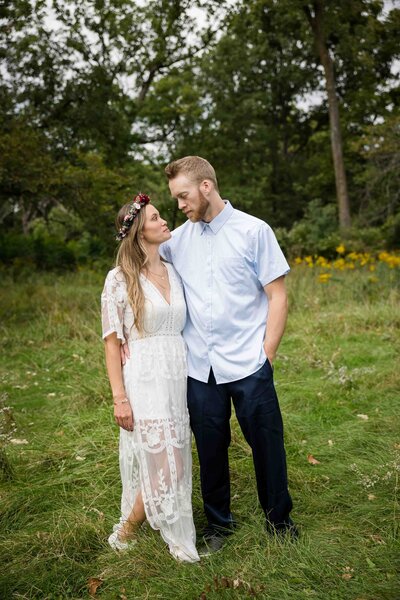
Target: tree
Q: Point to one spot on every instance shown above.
(75, 91)
(315, 16)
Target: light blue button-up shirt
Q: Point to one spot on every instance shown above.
(224, 265)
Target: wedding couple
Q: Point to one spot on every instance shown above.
(218, 281)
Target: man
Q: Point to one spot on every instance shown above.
(233, 271)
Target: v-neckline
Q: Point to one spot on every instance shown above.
(158, 291)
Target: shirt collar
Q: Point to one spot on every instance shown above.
(218, 221)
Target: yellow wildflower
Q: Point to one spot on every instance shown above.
(339, 264)
(353, 256)
(340, 249)
(309, 261)
(324, 277)
(392, 260)
(321, 261)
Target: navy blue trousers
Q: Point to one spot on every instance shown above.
(259, 416)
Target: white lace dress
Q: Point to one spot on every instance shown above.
(155, 458)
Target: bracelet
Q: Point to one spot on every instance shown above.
(123, 399)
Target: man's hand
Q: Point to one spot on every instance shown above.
(123, 415)
(125, 355)
(271, 356)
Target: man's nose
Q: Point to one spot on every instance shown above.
(181, 204)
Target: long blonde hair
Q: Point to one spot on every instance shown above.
(131, 258)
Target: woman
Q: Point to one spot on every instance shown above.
(143, 306)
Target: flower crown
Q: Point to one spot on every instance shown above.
(139, 201)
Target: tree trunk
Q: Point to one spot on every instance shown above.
(316, 22)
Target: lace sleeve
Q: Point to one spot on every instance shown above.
(113, 303)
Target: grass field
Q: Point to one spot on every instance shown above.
(338, 379)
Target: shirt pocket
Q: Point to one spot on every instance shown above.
(231, 270)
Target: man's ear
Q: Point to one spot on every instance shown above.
(206, 186)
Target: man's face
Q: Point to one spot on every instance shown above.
(190, 199)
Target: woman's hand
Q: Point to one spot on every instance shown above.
(123, 415)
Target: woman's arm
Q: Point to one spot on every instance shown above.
(122, 408)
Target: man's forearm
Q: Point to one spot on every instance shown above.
(276, 322)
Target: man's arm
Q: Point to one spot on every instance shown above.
(277, 316)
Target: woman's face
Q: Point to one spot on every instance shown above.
(155, 229)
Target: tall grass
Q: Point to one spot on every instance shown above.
(338, 385)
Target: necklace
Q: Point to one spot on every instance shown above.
(157, 274)
(164, 285)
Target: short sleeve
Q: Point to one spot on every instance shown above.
(113, 303)
(269, 260)
(165, 251)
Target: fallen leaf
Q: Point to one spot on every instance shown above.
(330, 443)
(51, 395)
(377, 539)
(363, 417)
(225, 582)
(371, 497)
(77, 457)
(396, 446)
(312, 460)
(93, 584)
(61, 432)
(348, 573)
(18, 442)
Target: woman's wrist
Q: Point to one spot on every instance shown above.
(120, 399)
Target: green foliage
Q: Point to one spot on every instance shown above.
(25, 253)
(93, 107)
(316, 233)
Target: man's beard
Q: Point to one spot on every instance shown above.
(198, 214)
